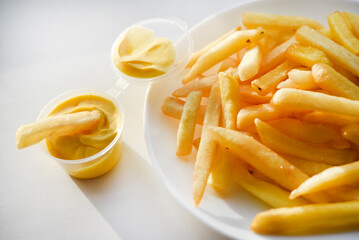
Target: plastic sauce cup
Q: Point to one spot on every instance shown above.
(99, 163)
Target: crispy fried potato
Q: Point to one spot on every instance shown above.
(302, 78)
(353, 19)
(224, 49)
(201, 84)
(342, 33)
(284, 144)
(187, 123)
(330, 80)
(269, 81)
(255, 19)
(332, 177)
(269, 193)
(56, 126)
(251, 61)
(344, 58)
(207, 146)
(306, 100)
(173, 107)
(309, 219)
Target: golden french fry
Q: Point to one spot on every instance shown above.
(221, 171)
(259, 156)
(56, 126)
(353, 19)
(326, 32)
(303, 79)
(276, 56)
(267, 43)
(201, 84)
(269, 81)
(262, 158)
(284, 144)
(173, 107)
(329, 118)
(205, 49)
(342, 33)
(280, 35)
(224, 49)
(207, 146)
(249, 95)
(306, 100)
(332, 177)
(251, 61)
(310, 132)
(287, 84)
(336, 52)
(227, 63)
(308, 219)
(255, 19)
(330, 80)
(246, 116)
(230, 99)
(269, 193)
(309, 167)
(351, 133)
(187, 123)
(306, 55)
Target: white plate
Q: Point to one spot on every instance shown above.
(233, 214)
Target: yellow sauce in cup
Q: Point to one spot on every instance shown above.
(88, 143)
(140, 54)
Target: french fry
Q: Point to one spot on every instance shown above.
(262, 158)
(329, 118)
(255, 19)
(207, 146)
(351, 133)
(249, 95)
(310, 132)
(201, 84)
(344, 58)
(56, 126)
(326, 32)
(269, 81)
(221, 171)
(309, 219)
(251, 61)
(332, 177)
(303, 79)
(276, 56)
(230, 99)
(269, 193)
(280, 35)
(333, 82)
(342, 33)
(173, 107)
(187, 123)
(224, 49)
(309, 167)
(353, 19)
(266, 112)
(284, 144)
(205, 49)
(287, 84)
(306, 55)
(306, 100)
(227, 63)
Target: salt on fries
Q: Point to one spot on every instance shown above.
(281, 119)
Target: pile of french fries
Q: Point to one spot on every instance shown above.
(278, 105)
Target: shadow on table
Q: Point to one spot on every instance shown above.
(136, 204)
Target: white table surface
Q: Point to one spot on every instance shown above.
(50, 47)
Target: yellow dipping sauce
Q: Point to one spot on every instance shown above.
(90, 142)
(140, 54)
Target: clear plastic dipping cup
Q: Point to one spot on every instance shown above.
(95, 165)
(173, 29)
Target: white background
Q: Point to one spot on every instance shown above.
(47, 48)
